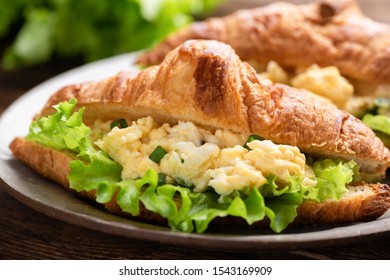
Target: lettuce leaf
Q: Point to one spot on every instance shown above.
(184, 209)
(189, 210)
(282, 210)
(379, 123)
(61, 130)
(333, 176)
(65, 130)
(100, 174)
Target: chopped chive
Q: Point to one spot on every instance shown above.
(309, 160)
(180, 182)
(162, 179)
(121, 123)
(157, 154)
(251, 138)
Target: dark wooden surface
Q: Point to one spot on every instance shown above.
(27, 234)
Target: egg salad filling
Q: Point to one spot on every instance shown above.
(367, 101)
(188, 174)
(202, 159)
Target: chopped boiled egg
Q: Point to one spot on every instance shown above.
(202, 158)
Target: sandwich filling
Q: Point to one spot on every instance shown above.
(200, 158)
(369, 102)
(189, 174)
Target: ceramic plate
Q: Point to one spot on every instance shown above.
(53, 200)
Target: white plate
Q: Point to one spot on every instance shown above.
(55, 201)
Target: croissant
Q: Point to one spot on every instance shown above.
(325, 32)
(205, 83)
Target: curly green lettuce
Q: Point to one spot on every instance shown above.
(377, 118)
(184, 209)
(378, 122)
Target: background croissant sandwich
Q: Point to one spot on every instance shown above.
(202, 139)
(328, 47)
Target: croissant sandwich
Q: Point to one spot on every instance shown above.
(328, 47)
(201, 140)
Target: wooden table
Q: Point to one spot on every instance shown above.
(27, 234)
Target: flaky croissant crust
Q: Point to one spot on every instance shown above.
(325, 32)
(205, 82)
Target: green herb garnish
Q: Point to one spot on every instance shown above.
(121, 123)
(162, 179)
(157, 154)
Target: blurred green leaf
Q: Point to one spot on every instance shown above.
(90, 29)
(34, 43)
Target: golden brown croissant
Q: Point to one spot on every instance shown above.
(325, 32)
(206, 83)
(218, 90)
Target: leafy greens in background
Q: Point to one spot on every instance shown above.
(89, 29)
